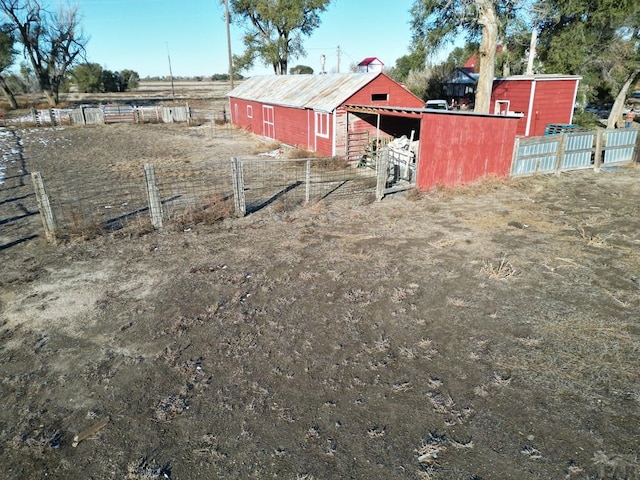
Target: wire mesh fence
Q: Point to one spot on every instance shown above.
(188, 194)
(293, 182)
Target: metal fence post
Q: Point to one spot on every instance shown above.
(46, 213)
(153, 194)
(307, 179)
(238, 186)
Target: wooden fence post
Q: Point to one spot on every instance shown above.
(238, 186)
(561, 147)
(307, 181)
(597, 158)
(382, 172)
(153, 194)
(46, 213)
(514, 159)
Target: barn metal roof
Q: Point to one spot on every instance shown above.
(318, 92)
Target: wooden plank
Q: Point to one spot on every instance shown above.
(46, 213)
(238, 186)
(153, 194)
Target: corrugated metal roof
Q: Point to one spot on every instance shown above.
(317, 92)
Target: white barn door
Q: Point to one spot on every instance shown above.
(268, 124)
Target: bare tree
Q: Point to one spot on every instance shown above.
(7, 54)
(52, 41)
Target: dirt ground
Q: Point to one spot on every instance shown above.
(485, 332)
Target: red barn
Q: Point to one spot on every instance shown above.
(541, 99)
(309, 111)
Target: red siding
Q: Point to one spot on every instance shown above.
(553, 101)
(397, 95)
(296, 126)
(457, 149)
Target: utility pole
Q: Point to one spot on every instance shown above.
(173, 92)
(338, 58)
(226, 17)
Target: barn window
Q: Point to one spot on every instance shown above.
(322, 124)
(249, 111)
(379, 97)
(501, 107)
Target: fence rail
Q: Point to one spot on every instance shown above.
(194, 193)
(574, 151)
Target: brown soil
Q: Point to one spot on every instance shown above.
(484, 332)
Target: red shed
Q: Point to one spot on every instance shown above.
(308, 110)
(541, 99)
(455, 147)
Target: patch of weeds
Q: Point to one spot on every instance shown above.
(170, 407)
(428, 453)
(82, 228)
(143, 469)
(263, 147)
(331, 163)
(39, 443)
(414, 195)
(499, 270)
(300, 153)
(136, 228)
(211, 209)
(593, 240)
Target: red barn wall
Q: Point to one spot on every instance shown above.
(294, 126)
(460, 148)
(240, 118)
(397, 95)
(553, 101)
(518, 93)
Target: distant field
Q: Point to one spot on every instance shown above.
(155, 91)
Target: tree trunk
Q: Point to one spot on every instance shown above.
(52, 100)
(616, 111)
(489, 21)
(8, 94)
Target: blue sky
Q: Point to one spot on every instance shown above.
(141, 35)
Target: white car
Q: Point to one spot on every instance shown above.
(437, 104)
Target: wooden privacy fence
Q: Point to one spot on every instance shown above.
(574, 151)
(87, 115)
(187, 194)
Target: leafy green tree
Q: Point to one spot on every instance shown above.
(52, 41)
(109, 81)
(436, 23)
(7, 55)
(87, 77)
(128, 80)
(414, 61)
(275, 29)
(598, 39)
(301, 70)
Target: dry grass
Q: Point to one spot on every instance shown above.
(480, 187)
(263, 147)
(300, 153)
(499, 270)
(210, 210)
(331, 163)
(580, 355)
(83, 228)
